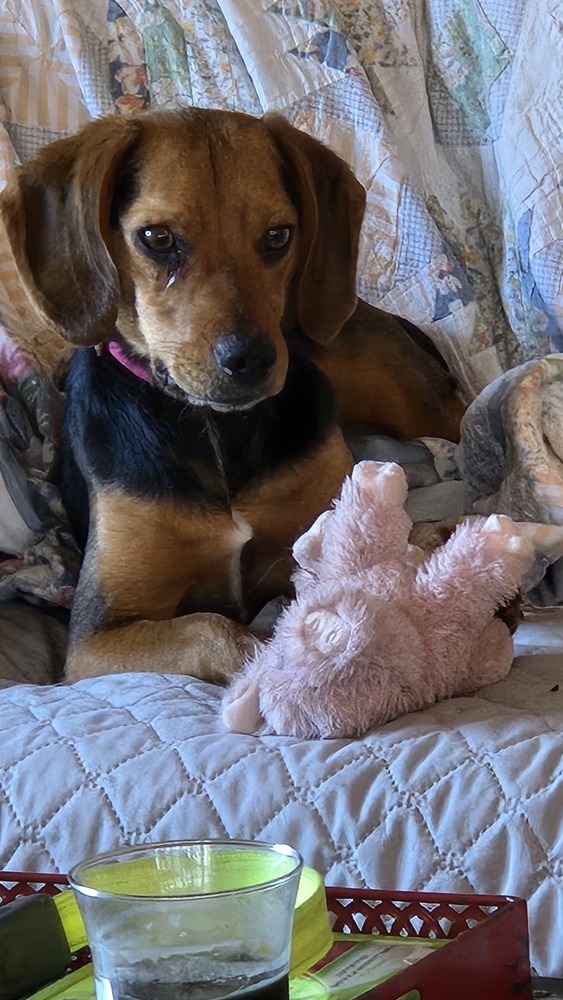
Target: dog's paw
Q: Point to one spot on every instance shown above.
(240, 647)
(215, 648)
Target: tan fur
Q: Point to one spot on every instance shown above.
(209, 204)
(177, 552)
(154, 560)
(184, 555)
(220, 180)
(379, 390)
(208, 646)
(280, 508)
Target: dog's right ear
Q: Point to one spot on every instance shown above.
(57, 217)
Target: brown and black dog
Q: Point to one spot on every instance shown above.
(205, 264)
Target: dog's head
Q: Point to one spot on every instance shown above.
(201, 234)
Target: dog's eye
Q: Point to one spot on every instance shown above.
(159, 239)
(276, 241)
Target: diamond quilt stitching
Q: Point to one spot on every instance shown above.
(463, 796)
(132, 799)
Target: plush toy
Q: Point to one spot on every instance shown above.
(377, 629)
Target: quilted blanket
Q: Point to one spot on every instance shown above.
(465, 796)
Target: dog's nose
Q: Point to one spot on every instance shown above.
(248, 359)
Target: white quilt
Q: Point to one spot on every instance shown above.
(466, 796)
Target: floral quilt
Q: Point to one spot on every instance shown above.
(448, 110)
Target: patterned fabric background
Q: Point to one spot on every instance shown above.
(448, 110)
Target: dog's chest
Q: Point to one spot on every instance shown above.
(195, 511)
(165, 556)
(249, 554)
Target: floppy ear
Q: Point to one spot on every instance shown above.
(57, 218)
(331, 203)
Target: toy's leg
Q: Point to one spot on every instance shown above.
(493, 656)
(380, 529)
(384, 483)
(367, 525)
(384, 523)
(241, 708)
(478, 568)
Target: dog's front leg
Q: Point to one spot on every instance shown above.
(145, 562)
(203, 645)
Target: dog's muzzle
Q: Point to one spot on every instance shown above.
(244, 373)
(247, 361)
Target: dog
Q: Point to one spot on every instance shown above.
(202, 264)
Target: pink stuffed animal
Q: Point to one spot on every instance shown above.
(376, 629)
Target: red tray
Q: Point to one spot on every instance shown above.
(487, 958)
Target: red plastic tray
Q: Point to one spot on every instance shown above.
(487, 958)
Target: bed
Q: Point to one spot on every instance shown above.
(449, 114)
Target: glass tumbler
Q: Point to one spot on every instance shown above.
(190, 920)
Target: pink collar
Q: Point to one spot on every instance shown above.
(137, 368)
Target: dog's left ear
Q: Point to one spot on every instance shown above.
(57, 217)
(331, 204)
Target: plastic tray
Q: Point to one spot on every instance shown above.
(487, 957)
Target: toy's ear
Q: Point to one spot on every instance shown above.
(308, 548)
(57, 218)
(331, 203)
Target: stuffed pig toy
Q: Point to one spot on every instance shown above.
(376, 628)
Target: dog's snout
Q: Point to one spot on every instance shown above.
(248, 359)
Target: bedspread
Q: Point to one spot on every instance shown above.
(465, 796)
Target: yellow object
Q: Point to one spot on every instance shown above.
(194, 869)
(77, 985)
(71, 920)
(311, 938)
